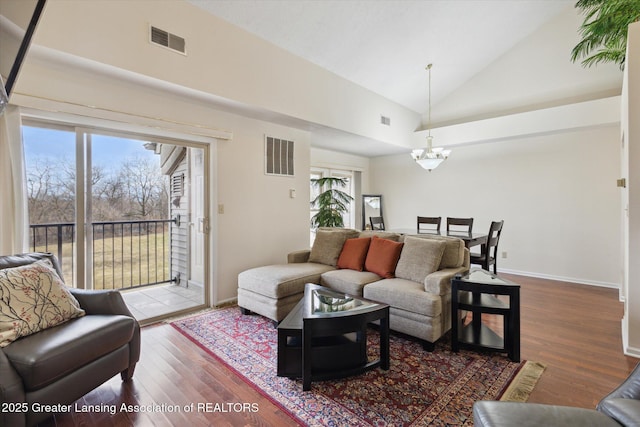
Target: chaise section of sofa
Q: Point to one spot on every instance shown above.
(273, 290)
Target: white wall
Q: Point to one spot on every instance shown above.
(631, 130)
(333, 159)
(536, 73)
(221, 59)
(556, 193)
(260, 224)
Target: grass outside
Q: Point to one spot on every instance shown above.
(121, 262)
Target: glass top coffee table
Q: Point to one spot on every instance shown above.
(325, 336)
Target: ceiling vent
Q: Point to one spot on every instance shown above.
(168, 40)
(385, 120)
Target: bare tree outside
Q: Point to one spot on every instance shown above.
(144, 186)
(129, 209)
(134, 190)
(47, 203)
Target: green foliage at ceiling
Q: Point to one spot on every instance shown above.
(604, 31)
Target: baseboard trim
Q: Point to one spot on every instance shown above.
(626, 349)
(632, 351)
(562, 278)
(228, 301)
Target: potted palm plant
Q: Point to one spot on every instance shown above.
(332, 203)
(604, 30)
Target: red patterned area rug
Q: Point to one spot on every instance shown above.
(420, 389)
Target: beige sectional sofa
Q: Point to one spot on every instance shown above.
(411, 273)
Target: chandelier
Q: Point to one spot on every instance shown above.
(430, 158)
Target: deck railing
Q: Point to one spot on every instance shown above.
(124, 254)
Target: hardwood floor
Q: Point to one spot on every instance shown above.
(576, 331)
(573, 329)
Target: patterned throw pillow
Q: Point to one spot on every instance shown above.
(33, 298)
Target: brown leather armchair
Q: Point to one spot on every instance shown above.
(59, 365)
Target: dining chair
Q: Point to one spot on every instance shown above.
(454, 224)
(377, 223)
(489, 253)
(429, 221)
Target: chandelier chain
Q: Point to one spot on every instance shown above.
(429, 112)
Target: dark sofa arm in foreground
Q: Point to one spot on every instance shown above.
(11, 391)
(58, 365)
(621, 407)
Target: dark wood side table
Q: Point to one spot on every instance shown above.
(476, 291)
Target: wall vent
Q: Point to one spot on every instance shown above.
(168, 40)
(278, 156)
(177, 185)
(385, 120)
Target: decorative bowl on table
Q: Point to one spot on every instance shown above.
(330, 301)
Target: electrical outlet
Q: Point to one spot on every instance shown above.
(504, 254)
(221, 208)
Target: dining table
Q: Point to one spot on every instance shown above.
(469, 239)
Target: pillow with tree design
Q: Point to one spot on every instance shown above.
(32, 298)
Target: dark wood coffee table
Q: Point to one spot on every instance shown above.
(325, 336)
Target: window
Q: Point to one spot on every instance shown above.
(349, 217)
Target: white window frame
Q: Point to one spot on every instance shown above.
(83, 274)
(316, 172)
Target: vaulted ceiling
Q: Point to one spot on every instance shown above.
(385, 45)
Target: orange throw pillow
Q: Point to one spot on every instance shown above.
(382, 257)
(353, 254)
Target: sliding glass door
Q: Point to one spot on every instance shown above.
(50, 164)
(121, 212)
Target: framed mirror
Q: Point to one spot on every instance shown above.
(371, 206)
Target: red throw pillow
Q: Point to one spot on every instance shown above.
(353, 254)
(382, 257)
